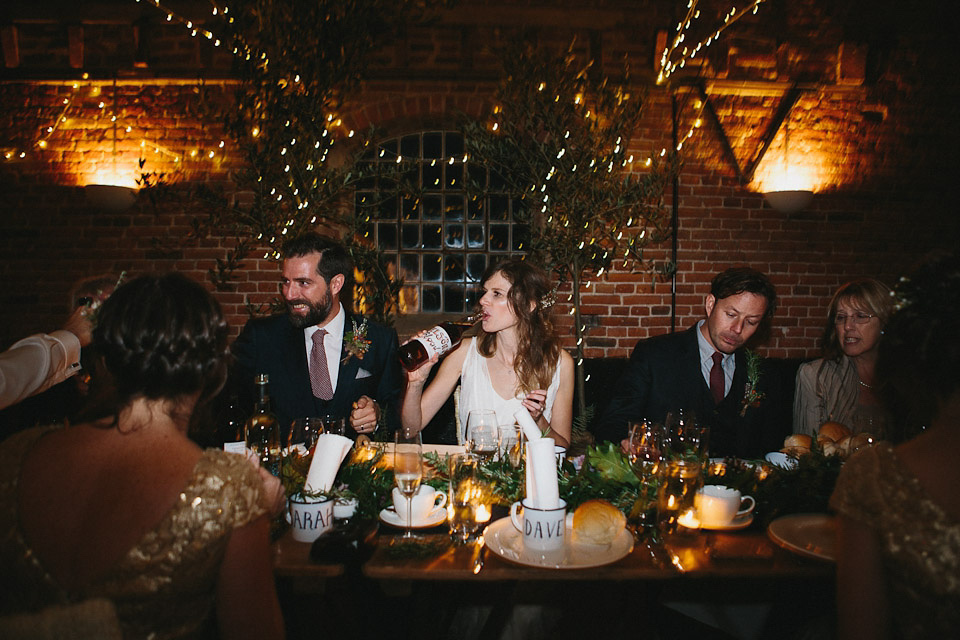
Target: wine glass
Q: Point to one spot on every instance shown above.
(408, 470)
(646, 448)
(483, 433)
(304, 431)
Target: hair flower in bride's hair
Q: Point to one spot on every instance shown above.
(549, 299)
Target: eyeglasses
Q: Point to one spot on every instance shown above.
(858, 318)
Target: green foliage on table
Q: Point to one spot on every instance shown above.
(804, 489)
(367, 481)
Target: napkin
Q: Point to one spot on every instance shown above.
(329, 454)
(530, 430)
(543, 490)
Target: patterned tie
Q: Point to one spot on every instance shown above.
(716, 378)
(319, 373)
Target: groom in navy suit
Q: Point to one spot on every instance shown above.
(704, 371)
(317, 363)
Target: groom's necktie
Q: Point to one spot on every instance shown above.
(716, 378)
(319, 373)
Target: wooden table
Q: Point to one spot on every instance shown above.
(710, 567)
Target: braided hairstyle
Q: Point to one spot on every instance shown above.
(918, 356)
(158, 336)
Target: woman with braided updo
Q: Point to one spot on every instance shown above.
(123, 507)
(898, 559)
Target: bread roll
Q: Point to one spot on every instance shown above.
(797, 444)
(832, 430)
(597, 522)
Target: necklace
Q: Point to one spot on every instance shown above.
(865, 385)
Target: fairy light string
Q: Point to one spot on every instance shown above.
(670, 64)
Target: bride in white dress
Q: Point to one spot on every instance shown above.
(516, 360)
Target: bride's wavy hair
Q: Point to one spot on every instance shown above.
(158, 337)
(538, 347)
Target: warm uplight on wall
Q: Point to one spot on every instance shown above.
(109, 189)
(787, 187)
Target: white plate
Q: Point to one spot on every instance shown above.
(738, 523)
(503, 539)
(782, 460)
(809, 534)
(434, 518)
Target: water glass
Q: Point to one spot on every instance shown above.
(467, 498)
(483, 433)
(511, 443)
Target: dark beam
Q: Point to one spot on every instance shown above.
(786, 104)
(11, 48)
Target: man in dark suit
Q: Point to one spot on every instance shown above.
(704, 371)
(321, 359)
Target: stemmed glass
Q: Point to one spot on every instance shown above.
(304, 431)
(646, 448)
(408, 470)
(483, 433)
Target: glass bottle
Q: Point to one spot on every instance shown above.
(263, 429)
(440, 339)
(232, 427)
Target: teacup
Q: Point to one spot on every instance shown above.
(543, 529)
(422, 503)
(719, 506)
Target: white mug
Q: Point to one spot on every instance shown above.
(423, 502)
(310, 520)
(543, 529)
(719, 506)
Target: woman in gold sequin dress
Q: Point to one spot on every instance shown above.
(898, 573)
(124, 506)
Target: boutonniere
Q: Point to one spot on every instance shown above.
(751, 397)
(355, 342)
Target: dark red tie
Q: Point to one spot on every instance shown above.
(319, 373)
(716, 378)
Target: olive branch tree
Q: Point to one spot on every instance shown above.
(559, 135)
(298, 62)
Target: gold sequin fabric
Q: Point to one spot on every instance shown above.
(920, 543)
(164, 586)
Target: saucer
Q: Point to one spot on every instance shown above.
(437, 516)
(738, 523)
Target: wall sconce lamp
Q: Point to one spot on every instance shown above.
(788, 202)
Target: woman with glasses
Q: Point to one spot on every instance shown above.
(840, 386)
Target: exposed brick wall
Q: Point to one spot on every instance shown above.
(884, 150)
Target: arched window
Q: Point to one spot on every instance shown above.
(436, 233)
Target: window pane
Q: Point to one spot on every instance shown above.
(432, 208)
(432, 236)
(430, 300)
(453, 236)
(498, 207)
(454, 175)
(410, 208)
(471, 297)
(411, 236)
(475, 207)
(410, 266)
(452, 299)
(453, 268)
(499, 237)
(497, 183)
(433, 175)
(521, 237)
(432, 267)
(387, 236)
(454, 208)
(475, 236)
(476, 264)
(410, 146)
(478, 176)
(388, 208)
